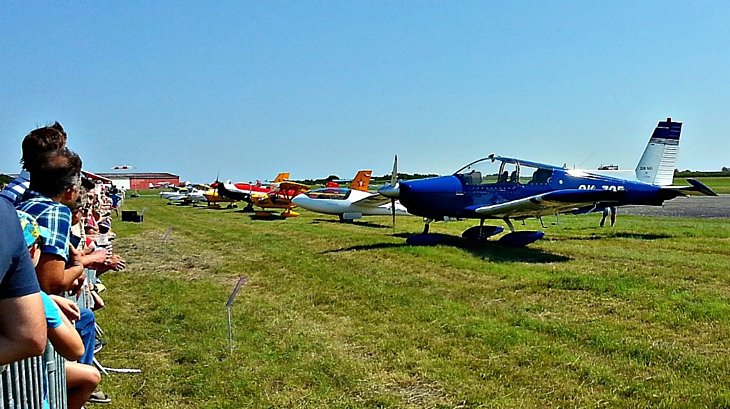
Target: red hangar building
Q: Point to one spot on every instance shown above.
(142, 180)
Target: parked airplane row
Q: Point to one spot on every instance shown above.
(495, 187)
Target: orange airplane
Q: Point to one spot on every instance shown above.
(280, 198)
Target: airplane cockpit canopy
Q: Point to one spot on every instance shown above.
(494, 170)
(334, 193)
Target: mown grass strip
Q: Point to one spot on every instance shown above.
(347, 315)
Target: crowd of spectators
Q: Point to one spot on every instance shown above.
(56, 242)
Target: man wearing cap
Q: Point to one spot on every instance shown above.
(22, 321)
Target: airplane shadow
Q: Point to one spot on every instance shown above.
(272, 217)
(488, 251)
(642, 236)
(354, 223)
(213, 208)
(623, 235)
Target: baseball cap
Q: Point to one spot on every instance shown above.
(31, 229)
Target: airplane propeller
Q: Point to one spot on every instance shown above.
(392, 189)
(217, 182)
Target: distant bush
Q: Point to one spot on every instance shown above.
(375, 180)
(725, 172)
(5, 179)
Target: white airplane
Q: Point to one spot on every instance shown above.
(192, 194)
(349, 203)
(176, 194)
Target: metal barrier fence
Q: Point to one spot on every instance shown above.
(25, 383)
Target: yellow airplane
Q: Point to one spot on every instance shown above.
(234, 192)
(279, 198)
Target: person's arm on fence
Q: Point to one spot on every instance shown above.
(62, 334)
(22, 322)
(53, 275)
(22, 328)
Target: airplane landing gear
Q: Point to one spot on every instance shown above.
(424, 239)
(426, 225)
(519, 238)
(289, 213)
(481, 233)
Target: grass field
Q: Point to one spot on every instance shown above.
(348, 316)
(718, 184)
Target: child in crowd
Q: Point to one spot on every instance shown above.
(81, 380)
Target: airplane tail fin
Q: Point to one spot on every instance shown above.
(695, 188)
(281, 177)
(361, 181)
(658, 162)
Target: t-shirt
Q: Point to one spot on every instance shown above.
(54, 216)
(53, 313)
(17, 275)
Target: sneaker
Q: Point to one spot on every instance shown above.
(99, 397)
(98, 345)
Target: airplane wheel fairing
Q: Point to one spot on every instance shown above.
(423, 239)
(520, 238)
(481, 233)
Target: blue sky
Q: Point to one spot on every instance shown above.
(248, 89)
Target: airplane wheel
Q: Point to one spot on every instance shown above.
(481, 233)
(520, 238)
(423, 239)
(343, 220)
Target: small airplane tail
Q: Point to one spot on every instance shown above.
(657, 164)
(281, 177)
(695, 188)
(361, 181)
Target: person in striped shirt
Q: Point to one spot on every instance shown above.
(55, 183)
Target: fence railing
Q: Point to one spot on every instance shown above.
(24, 384)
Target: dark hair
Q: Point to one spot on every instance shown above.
(41, 140)
(55, 171)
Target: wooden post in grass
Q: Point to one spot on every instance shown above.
(166, 235)
(229, 305)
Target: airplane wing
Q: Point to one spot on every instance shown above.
(559, 201)
(298, 187)
(373, 200)
(289, 189)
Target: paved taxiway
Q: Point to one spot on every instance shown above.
(694, 206)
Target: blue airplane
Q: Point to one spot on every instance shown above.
(505, 188)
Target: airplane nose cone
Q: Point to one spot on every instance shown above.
(298, 199)
(390, 191)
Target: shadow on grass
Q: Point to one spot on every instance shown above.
(622, 235)
(488, 251)
(353, 223)
(267, 218)
(213, 207)
(246, 210)
(642, 236)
